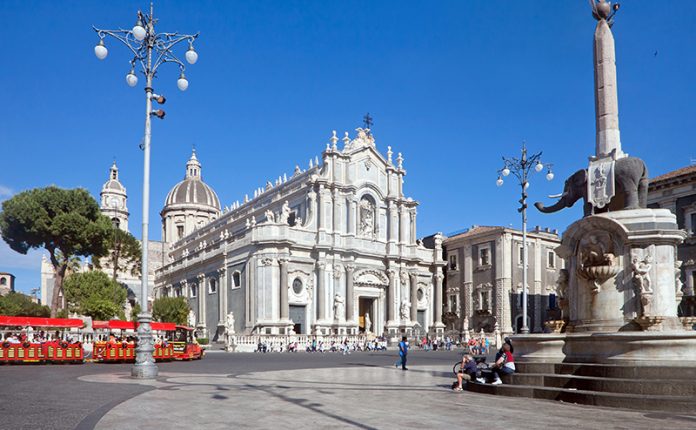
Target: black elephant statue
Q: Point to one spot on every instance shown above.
(631, 189)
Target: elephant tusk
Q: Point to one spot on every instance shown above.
(555, 196)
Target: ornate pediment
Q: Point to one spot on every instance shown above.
(371, 278)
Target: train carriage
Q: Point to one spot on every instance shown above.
(40, 340)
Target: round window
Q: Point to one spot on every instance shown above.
(297, 286)
(420, 294)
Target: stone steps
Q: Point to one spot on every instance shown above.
(652, 388)
(678, 404)
(609, 370)
(668, 387)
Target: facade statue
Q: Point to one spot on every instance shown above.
(229, 323)
(368, 323)
(339, 308)
(270, 216)
(284, 213)
(405, 309)
(191, 320)
(367, 218)
(128, 310)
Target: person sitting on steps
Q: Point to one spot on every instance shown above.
(467, 373)
(504, 364)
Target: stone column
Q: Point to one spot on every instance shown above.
(414, 297)
(403, 220)
(391, 296)
(202, 291)
(336, 212)
(438, 297)
(393, 222)
(284, 308)
(350, 304)
(320, 208)
(352, 217)
(222, 297)
(321, 294)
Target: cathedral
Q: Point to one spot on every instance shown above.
(330, 250)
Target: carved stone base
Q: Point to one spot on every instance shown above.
(637, 348)
(648, 323)
(688, 322)
(555, 326)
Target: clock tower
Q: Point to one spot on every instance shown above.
(113, 200)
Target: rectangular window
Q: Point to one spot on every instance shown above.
(236, 279)
(692, 217)
(521, 255)
(551, 259)
(179, 231)
(212, 286)
(453, 262)
(552, 301)
(484, 254)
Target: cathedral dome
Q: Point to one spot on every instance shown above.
(192, 190)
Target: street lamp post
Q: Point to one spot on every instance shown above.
(150, 50)
(521, 167)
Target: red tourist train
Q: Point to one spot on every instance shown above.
(40, 340)
(64, 340)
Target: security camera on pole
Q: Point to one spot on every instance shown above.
(143, 42)
(520, 167)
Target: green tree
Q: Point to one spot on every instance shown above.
(123, 251)
(95, 294)
(135, 312)
(67, 223)
(20, 305)
(170, 309)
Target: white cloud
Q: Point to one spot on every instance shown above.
(5, 192)
(12, 260)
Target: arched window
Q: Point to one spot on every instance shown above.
(3, 281)
(194, 290)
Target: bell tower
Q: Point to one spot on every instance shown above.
(114, 199)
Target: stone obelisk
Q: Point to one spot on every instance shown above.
(606, 98)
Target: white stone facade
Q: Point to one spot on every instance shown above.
(320, 252)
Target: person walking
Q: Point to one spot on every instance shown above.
(403, 353)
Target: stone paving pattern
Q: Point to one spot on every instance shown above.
(271, 391)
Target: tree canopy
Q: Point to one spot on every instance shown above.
(123, 252)
(170, 309)
(67, 223)
(20, 305)
(95, 294)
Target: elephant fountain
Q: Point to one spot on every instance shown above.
(631, 178)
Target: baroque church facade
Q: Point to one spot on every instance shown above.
(330, 250)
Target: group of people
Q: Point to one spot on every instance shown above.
(316, 345)
(428, 344)
(31, 337)
(472, 371)
(478, 346)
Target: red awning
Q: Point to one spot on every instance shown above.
(40, 322)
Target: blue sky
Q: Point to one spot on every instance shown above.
(454, 85)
